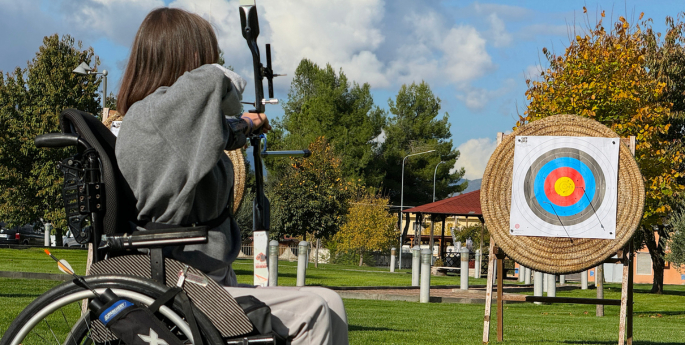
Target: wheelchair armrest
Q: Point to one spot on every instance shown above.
(159, 237)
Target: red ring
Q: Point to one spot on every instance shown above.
(558, 173)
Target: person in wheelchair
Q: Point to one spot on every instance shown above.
(181, 111)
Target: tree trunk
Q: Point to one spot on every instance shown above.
(361, 259)
(316, 256)
(656, 252)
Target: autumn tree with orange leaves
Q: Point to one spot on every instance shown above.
(369, 226)
(604, 75)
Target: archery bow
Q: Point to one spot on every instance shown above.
(249, 22)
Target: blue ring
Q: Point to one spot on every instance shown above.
(580, 205)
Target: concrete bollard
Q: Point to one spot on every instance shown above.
(522, 273)
(273, 263)
(301, 262)
(415, 265)
(392, 259)
(424, 293)
(464, 273)
(583, 280)
(537, 285)
(551, 285)
(562, 279)
(476, 271)
(48, 230)
(526, 278)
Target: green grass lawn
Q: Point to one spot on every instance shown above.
(658, 319)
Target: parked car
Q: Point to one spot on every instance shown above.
(25, 235)
(69, 241)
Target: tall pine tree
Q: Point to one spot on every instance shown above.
(322, 102)
(416, 127)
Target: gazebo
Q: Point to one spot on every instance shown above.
(464, 205)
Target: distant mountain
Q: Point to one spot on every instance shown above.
(473, 185)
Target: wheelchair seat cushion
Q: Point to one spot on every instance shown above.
(211, 298)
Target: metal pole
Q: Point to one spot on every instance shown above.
(526, 278)
(392, 259)
(476, 271)
(273, 263)
(562, 279)
(301, 262)
(522, 271)
(434, 175)
(402, 199)
(424, 292)
(537, 285)
(415, 265)
(464, 273)
(545, 284)
(583, 280)
(104, 91)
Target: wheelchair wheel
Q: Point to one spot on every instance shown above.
(55, 317)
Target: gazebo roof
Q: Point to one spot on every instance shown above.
(467, 204)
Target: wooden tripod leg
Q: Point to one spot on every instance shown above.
(500, 299)
(624, 297)
(629, 317)
(488, 293)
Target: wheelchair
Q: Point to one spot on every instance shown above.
(98, 202)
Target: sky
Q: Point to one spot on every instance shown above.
(476, 56)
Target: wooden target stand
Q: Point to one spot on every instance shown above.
(624, 256)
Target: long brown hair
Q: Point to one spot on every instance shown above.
(169, 43)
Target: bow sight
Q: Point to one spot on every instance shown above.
(250, 28)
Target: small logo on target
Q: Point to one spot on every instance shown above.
(517, 226)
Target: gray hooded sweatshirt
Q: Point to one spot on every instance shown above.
(170, 151)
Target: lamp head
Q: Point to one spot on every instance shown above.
(83, 68)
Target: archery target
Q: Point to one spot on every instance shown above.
(564, 187)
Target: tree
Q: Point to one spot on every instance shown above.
(368, 225)
(311, 197)
(677, 236)
(415, 128)
(665, 60)
(322, 103)
(30, 102)
(604, 75)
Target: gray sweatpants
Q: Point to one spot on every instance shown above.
(308, 315)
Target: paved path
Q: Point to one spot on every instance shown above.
(438, 294)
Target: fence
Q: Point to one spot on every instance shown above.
(285, 252)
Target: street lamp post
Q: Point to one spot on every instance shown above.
(402, 199)
(432, 218)
(84, 69)
(434, 175)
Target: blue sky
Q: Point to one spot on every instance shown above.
(475, 55)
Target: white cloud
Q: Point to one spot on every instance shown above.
(498, 32)
(474, 156)
(504, 11)
(117, 20)
(477, 98)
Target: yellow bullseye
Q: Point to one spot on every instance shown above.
(564, 186)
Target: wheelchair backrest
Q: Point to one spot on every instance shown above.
(120, 203)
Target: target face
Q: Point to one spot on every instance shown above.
(564, 187)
